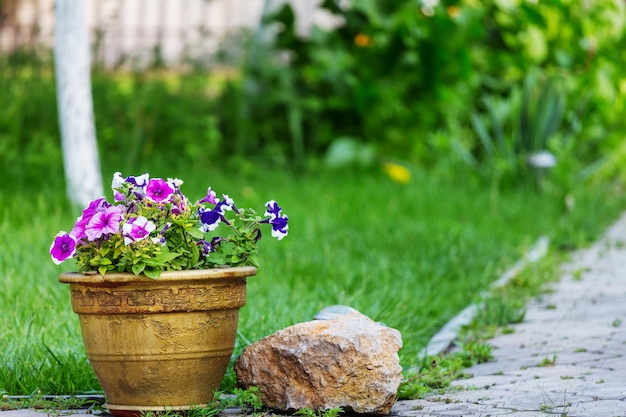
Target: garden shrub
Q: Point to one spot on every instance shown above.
(373, 78)
(411, 77)
(429, 83)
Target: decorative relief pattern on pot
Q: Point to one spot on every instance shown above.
(109, 300)
(170, 331)
(159, 299)
(83, 298)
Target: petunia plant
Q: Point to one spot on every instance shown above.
(151, 227)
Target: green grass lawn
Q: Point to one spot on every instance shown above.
(409, 255)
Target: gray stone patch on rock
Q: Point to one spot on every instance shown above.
(349, 362)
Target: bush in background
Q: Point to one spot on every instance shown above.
(412, 78)
(447, 85)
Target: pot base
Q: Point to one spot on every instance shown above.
(136, 411)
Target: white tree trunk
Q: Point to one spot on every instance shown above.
(73, 80)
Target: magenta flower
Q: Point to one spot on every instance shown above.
(104, 223)
(63, 247)
(159, 191)
(136, 229)
(95, 206)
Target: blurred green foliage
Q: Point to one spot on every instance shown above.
(413, 79)
(450, 85)
(156, 116)
(29, 145)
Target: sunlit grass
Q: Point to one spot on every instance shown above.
(409, 255)
(40, 345)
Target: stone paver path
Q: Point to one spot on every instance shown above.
(566, 359)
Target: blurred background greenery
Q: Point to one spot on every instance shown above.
(460, 87)
(397, 141)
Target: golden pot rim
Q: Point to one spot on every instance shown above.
(166, 276)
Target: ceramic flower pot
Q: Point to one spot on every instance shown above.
(159, 344)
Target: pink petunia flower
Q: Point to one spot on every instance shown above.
(95, 206)
(159, 191)
(104, 223)
(137, 229)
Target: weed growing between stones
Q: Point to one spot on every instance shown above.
(498, 309)
(308, 412)
(50, 403)
(247, 402)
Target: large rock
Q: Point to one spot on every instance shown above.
(350, 362)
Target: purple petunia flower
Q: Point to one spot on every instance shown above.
(210, 197)
(141, 181)
(210, 219)
(159, 191)
(63, 247)
(136, 185)
(280, 227)
(104, 223)
(99, 204)
(226, 204)
(136, 229)
(180, 206)
(208, 247)
(160, 238)
(222, 206)
(280, 224)
(273, 209)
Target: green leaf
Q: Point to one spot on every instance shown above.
(253, 261)
(195, 233)
(102, 270)
(138, 268)
(152, 273)
(195, 254)
(217, 259)
(167, 257)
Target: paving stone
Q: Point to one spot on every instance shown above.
(608, 408)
